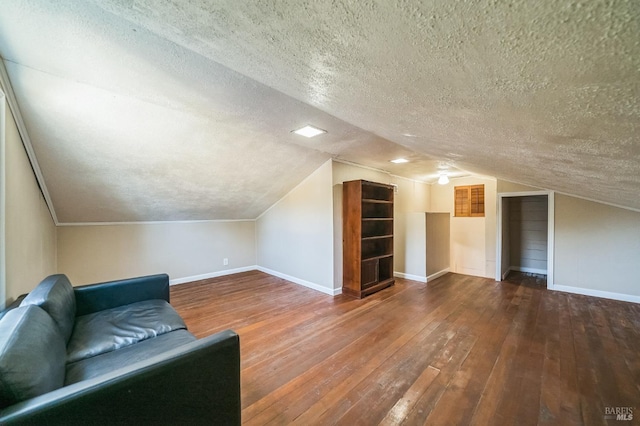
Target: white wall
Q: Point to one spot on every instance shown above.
(427, 240)
(412, 233)
(295, 236)
(473, 239)
(438, 242)
(30, 234)
(184, 250)
(503, 186)
(409, 250)
(597, 249)
(506, 237)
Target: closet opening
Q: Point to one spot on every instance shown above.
(525, 237)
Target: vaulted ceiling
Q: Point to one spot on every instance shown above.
(142, 110)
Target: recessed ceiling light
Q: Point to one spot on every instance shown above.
(400, 160)
(309, 131)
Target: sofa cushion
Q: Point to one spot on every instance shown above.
(89, 368)
(55, 295)
(32, 355)
(115, 328)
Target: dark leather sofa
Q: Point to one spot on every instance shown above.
(113, 353)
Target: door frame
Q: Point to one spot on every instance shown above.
(550, 231)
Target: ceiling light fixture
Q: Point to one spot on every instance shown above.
(309, 131)
(400, 161)
(443, 179)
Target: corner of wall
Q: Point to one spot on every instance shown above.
(29, 229)
(3, 278)
(294, 236)
(25, 139)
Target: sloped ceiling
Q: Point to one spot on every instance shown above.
(176, 110)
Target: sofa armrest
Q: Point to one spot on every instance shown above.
(98, 297)
(196, 383)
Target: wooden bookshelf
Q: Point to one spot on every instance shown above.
(367, 237)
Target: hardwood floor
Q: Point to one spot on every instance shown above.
(459, 350)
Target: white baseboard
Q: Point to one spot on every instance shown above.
(212, 275)
(313, 286)
(527, 270)
(438, 274)
(419, 278)
(597, 293)
(295, 280)
(471, 271)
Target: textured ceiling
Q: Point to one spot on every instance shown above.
(175, 110)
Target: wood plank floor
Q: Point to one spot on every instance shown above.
(460, 350)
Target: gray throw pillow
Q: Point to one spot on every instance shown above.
(32, 355)
(55, 295)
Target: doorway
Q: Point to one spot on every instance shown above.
(525, 234)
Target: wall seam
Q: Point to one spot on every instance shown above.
(26, 141)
